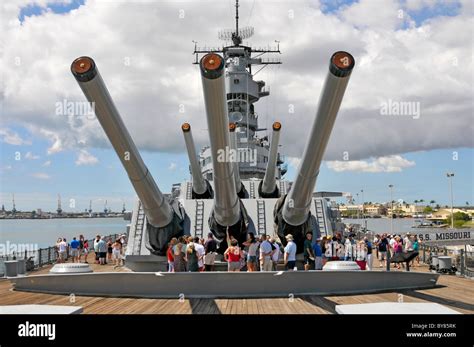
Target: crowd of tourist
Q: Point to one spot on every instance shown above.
(106, 250)
(265, 253)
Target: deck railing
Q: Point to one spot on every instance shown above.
(462, 260)
(43, 256)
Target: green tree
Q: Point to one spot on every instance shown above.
(461, 216)
(432, 202)
(427, 209)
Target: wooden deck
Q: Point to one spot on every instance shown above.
(453, 292)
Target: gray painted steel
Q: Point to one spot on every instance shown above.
(269, 180)
(226, 202)
(40, 309)
(224, 284)
(341, 266)
(235, 164)
(298, 202)
(21, 266)
(199, 184)
(157, 209)
(395, 308)
(11, 268)
(70, 268)
(445, 263)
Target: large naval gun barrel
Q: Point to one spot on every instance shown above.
(160, 214)
(226, 213)
(268, 187)
(294, 215)
(201, 188)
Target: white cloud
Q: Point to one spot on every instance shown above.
(293, 162)
(172, 166)
(41, 175)
(54, 137)
(12, 138)
(85, 158)
(5, 168)
(46, 163)
(394, 163)
(31, 156)
(430, 64)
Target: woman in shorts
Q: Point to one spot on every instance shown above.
(252, 245)
(117, 253)
(233, 254)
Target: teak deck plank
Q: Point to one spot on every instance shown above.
(454, 292)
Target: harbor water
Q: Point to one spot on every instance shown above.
(45, 232)
(382, 225)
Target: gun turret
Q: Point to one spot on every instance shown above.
(201, 187)
(292, 212)
(268, 187)
(161, 215)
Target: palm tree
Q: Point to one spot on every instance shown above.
(467, 203)
(432, 202)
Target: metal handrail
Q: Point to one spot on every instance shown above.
(43, 256)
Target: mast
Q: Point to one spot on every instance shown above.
(13, 201)
(242, 93)
(59, 210)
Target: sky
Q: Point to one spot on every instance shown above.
(416, 53)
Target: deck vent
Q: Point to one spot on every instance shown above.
(70, 268)
(341, 266)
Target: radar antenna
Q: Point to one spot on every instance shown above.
(238, 35)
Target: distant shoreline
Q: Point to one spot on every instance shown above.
(62, 217)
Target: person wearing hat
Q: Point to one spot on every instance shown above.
(290, 253)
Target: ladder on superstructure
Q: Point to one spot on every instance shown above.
(261, 217)
(189, 190)
(199, 219)
(282, 187)
(321, 216)
(252, 190)
(139, 225)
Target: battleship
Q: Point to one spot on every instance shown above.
(226, 194)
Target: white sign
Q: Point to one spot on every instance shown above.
(451, 236)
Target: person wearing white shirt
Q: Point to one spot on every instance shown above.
(407, 243)
(392, 243)
(349, 248)
(201, 251)
(276, 253)
(62, 246)
(290, 253)
(266, 250)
